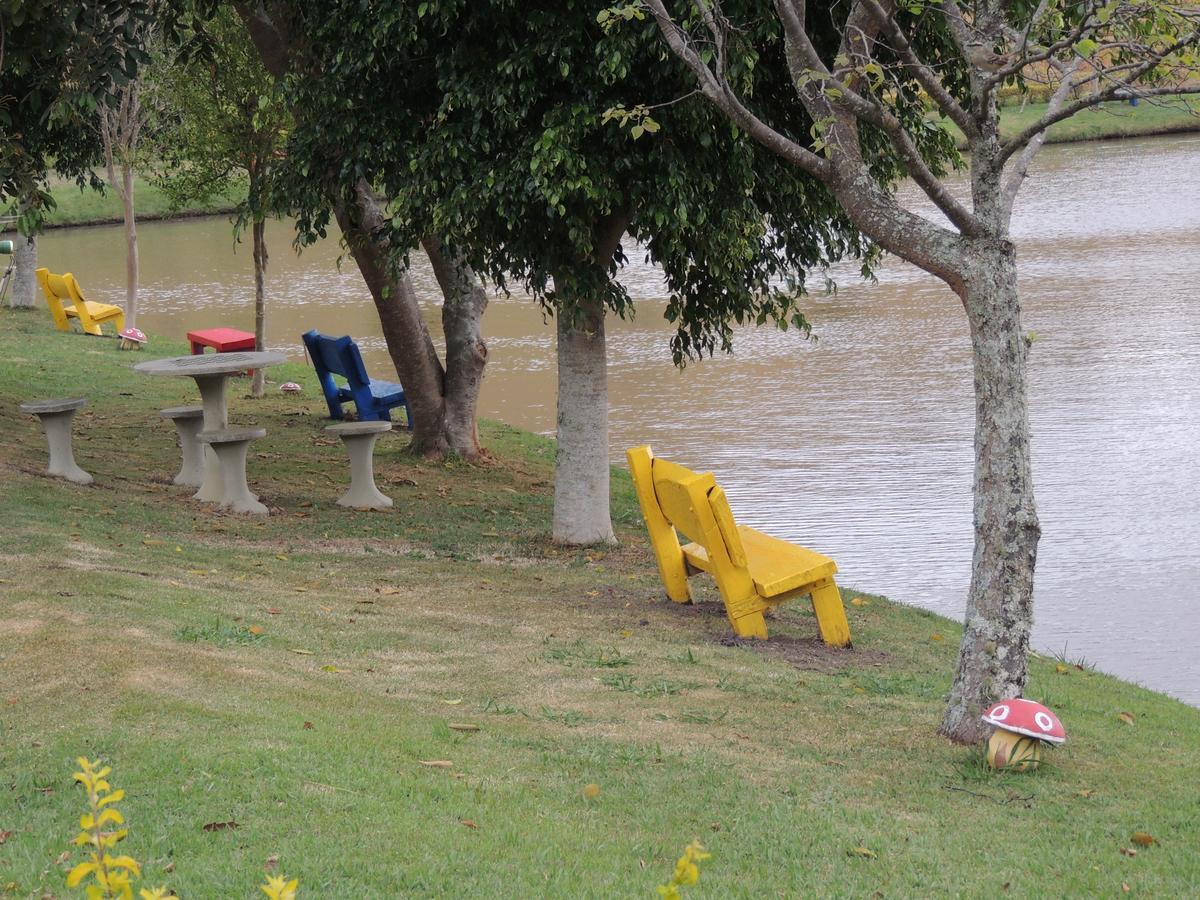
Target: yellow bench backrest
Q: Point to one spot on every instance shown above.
(56, 291)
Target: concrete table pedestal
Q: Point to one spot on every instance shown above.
(56, 417)
(189, 420)
(359, 438)
(230, 447)
(211, 372)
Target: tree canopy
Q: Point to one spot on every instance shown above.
(56, 65)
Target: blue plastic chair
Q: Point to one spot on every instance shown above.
(373, 399)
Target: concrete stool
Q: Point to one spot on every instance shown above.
(56, 416)
(359, 438)
(188, 422)
(230, 445)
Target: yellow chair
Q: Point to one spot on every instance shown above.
(753, 571)
(91, 315)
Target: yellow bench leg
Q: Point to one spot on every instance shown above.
(831, 615)
(746, 617)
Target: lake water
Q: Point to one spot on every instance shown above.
(860, 444)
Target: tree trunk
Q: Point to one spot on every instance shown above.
(24, 285)
(992, 663)
(466, 352)
(581, 467)
(408, 341)
(443, 401)
(131, 248)
(258, 232)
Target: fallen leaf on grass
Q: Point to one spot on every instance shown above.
(461, 726)
(860, 601)
(1125, 887)
(271, 863)
(199, 572)
(4, 835)
(1142, 839)
(307, 726)
(331, 668)
(255, 629)
(454, 702)
(274, 610)
(221, 826)
(470, 823)
(326, 608)
(1128, 851)
(1085, 793)
(861, 851)
(301, 652)
(153, 542)
(936, 636)
(300, 590)
(63, 857)
(1061, 669)
(436, 763)
(281, 556)
(591, 791)
(1126, 717)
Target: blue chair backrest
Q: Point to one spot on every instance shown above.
(337, 355)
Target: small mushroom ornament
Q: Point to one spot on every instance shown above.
(132, 339)
(1022, 727)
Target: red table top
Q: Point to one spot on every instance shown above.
(219, 334)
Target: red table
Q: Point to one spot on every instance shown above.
(223, 340)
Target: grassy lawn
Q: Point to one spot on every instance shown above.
(295, 674)
(88, 207)
(1112, 120)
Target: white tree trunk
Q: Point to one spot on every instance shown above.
(24, 284)
(131, 248)
(581, 474)
(999, 617)
(258, 384)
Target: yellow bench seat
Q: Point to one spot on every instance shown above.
(776, 566)
(754, 572)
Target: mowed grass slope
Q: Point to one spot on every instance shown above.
(292, 675)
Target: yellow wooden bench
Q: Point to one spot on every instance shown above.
(753, 571)
(91, 315)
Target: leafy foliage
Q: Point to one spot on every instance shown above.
(489, 125)
(56, 65)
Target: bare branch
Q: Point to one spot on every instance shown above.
(924, 75)
(1021, 169)
(717, 89)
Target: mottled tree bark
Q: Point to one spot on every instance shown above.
(581, 466)
(24, 287)
(992, 662)
(466, 351)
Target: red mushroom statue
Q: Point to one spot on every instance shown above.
(132, 339)
(290, 387)
(1022, 726)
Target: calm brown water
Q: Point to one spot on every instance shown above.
(860, 445)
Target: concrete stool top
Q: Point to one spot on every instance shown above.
(352, 428)
(182, 412)
(231, 435)
(62, 404)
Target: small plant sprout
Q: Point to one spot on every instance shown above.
(279, 888)
(687, 872)
(112, 875)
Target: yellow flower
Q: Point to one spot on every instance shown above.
(686, 871)
(669, 892)
(158, 893)
(278, 888)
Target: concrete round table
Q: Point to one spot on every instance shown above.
(56, 417)
(211, 372)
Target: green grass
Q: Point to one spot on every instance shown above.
(88, 207)
(125, 616)
(1112, 120)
